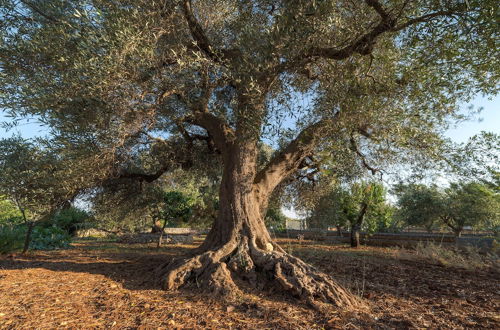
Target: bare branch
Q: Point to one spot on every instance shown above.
(355, 148)
(40, 12)
(425, 18)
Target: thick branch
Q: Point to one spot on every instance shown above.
(364, 44)
(355, 148)
(201, 39)
(290, 159)
(216, 127)
(375, 4)
(190, 138)
(144, 176)
(362, 213)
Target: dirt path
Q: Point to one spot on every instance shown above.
(110, 285)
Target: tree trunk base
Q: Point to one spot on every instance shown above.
(219, 270)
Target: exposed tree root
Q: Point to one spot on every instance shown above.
(214, 270)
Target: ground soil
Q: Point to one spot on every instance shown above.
(103, 284)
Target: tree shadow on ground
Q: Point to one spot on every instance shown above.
(133, 266)
(365, 274)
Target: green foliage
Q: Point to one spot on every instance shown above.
(43, 238)
(177, 209)
(471, 204)
(460, 205)
(32, 177)
(275, 219)
(111, 78)
(419, 205)
(11, 238)
(69, 220)
(9, 213)
(343, 207)
(49, 238)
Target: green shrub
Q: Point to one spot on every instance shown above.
(69, 220)
(11, 238)
(49, 238)
(43, 238)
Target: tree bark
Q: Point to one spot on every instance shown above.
(162, 231)
(239, 245)
(339, 231)
(355, 235)
(27, 239)
(356, 227)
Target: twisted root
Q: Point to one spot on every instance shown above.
(214, 270)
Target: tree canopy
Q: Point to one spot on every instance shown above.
(134, 89)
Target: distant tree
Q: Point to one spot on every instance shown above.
(32, 179)
(363, 203)
(419, 205)
(327, 212)
(460, 205)
(70, 219)
(177, 209)
(275, 218)
(359, 205)
(470, 204)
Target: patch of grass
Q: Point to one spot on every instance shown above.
(469, 258)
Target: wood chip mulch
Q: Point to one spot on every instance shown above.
(99, 284)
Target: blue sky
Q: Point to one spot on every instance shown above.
(487, 120)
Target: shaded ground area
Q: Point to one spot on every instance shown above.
(103, 284)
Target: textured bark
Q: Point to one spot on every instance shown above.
(27, 239)
(239, 248)
(356, 227)
(162, 232)
(355, 241)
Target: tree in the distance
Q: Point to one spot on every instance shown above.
(117, 80)
(177, 208)
(462, 204)
(32, 179)
(469, 204)
(419, 205)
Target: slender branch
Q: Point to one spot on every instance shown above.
(355, 148)
(197, 32)
(40, 12)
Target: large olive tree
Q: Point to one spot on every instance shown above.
(115, 80)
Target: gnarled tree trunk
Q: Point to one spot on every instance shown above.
(239, 245)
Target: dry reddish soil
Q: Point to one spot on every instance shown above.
(102, 284)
